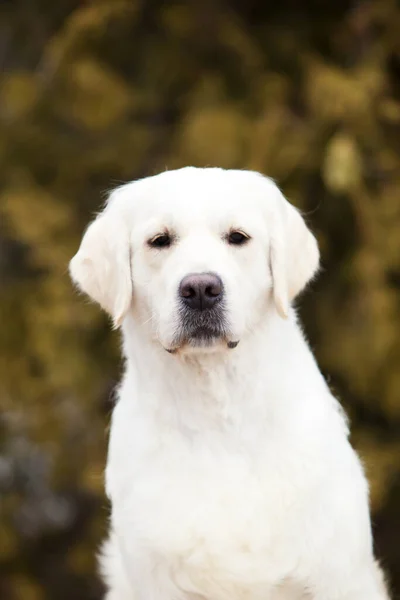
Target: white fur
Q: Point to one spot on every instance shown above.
(229, 470)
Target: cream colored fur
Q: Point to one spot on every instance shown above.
(229, 471)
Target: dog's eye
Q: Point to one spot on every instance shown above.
(162, 240)
(237, 238)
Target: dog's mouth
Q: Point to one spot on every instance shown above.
(202, 329)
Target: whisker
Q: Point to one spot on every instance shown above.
(147, 320)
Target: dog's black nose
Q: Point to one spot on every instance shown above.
(201, 290)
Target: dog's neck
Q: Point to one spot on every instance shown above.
(214, 387)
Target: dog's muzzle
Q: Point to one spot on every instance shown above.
(202, 313)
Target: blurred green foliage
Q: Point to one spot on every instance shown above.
(94, 93)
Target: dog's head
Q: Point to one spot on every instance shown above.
(198, 256)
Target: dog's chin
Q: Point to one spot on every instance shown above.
(202, 332)
(202, 343)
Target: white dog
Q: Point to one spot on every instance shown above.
(229, 471)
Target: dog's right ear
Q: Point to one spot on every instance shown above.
(101, 267)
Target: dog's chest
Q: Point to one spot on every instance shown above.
(217, 499)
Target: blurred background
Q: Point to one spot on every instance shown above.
(96, 93)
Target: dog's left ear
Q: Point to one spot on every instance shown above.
(101, 267)
(294, 254)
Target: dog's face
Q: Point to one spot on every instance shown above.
(198, 256)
